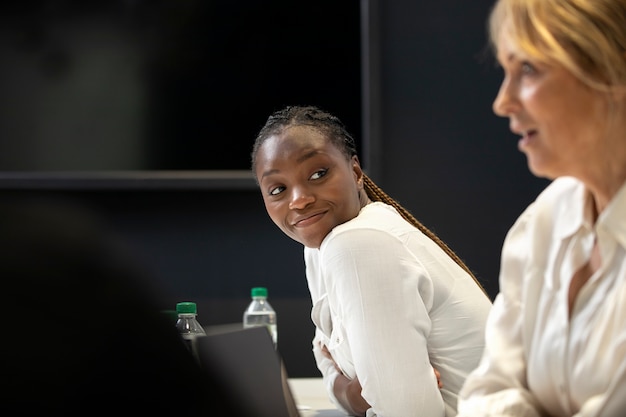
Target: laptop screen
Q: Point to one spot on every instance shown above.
(251, 369)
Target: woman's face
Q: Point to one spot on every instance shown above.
(560, 120)
(308, 185)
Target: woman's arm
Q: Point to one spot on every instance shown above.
(382, 297)
(330, 372)
(348, 391)
(610, 403)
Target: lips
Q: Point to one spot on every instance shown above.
(526, 139)
(527, 135)
(307, 219)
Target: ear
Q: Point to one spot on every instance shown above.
(358, 172)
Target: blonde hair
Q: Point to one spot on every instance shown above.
(586, 37)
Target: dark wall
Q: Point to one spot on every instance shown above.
(445, 155)
(438, 149)
(166, 84)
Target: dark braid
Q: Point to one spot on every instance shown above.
(333, 129)
(375, 193)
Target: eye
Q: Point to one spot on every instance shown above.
(319, 174)
(276, 190)
(528, 68)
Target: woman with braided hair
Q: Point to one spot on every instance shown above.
(392, 304)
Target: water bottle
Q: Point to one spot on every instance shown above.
(261, 313)
(187, 324)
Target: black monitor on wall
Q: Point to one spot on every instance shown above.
(168, 85)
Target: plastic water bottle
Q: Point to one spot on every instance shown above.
(261, 313)
(188, 325)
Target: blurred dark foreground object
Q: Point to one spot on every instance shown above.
(83, 331)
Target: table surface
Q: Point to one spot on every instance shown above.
(311, 398)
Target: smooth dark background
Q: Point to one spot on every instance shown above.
(433, 144)
(166, 84)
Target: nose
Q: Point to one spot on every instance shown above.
(506, 102)
(301, 197)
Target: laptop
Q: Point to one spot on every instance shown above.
(251, 368)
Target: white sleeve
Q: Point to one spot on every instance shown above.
(610, 403)
(383, 297)
(327, 368)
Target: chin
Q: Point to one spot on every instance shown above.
(539, 169)
(536, 172)
(309, 242)
(542, 173)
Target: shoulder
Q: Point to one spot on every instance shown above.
(376, 216)
(561, 191)
(377, 225)
(551, 205)
(555, 213)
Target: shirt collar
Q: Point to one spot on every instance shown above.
(572, 212)
(613, 219)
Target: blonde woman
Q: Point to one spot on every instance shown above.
(556, 336)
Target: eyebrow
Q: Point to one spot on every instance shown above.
(300, 159)
(269, 172)
(308, 155)
(500, 59)
(512, 56)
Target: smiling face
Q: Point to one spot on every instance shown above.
(309, 186)
(560, 120)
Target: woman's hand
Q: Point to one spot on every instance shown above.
(327, 354)
(347, 391)
(438, 375)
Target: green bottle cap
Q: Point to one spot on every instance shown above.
(186, 307)
(259, 292)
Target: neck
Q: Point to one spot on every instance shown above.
(364, 199)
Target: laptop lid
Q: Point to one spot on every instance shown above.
(251, 369)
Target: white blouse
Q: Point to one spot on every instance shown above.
(538, 361)
(390, 305)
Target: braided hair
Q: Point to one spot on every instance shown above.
(333, 129)
(375, 193)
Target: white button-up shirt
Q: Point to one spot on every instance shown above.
(538, 361)
(390, 305)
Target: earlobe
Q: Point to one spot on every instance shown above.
(355, 162)
(356, 167)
